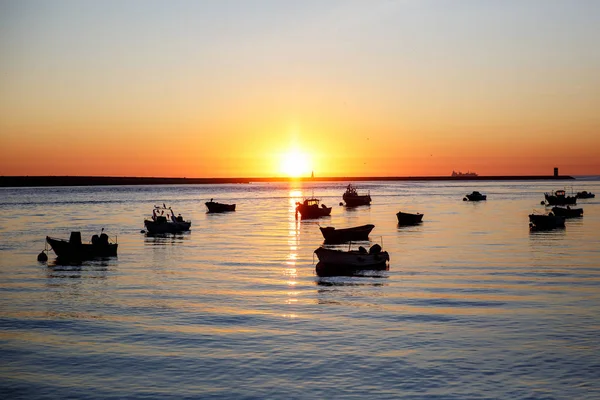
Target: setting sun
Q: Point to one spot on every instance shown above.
(294, 164)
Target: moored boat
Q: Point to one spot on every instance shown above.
(408, 218)
(568, 212)
(214, 207)
(161, 223)
(333, 235)
(475, 196)
(560, 198)
(546, 221)
(360, 258)
(353, 198)
(585, 195)
(333, 262)
(310, 209)
(74, 250)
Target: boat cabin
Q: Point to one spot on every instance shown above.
(311, 202)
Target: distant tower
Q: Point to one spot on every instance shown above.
(555, 172)
(312, 175)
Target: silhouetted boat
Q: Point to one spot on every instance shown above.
(475, 196)
(353, 198)
(214, 207)
(408, 218)
(585, 195)
(74, 250)
(568, 212)
(559, 198)
(310, 209)
(166, 223)
(333, 235)
(547, 221)
(360, 259)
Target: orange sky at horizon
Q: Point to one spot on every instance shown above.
(342, 89)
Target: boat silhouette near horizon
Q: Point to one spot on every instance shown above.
(354, 199)
(215, 207)
(161, 223)
(75, 250)
(310, 209)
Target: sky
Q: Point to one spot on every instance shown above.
(264, 88)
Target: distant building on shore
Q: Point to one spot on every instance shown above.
(460, 174)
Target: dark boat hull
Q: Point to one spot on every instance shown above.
(585, 195)
(409, 219)
(337, 262)
(155, 227)
(546, 221)
(81, 251)
(559, 200)
(352, 259)
(311, 212)
(476, 197)
(568, 212)
(214, 207)
(355, 201)
(357, 233)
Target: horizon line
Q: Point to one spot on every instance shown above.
(75, 180)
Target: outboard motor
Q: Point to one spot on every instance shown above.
(75, 238)
(375, 249)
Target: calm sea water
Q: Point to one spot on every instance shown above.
(474, 305)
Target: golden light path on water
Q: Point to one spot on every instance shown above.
(474, 304)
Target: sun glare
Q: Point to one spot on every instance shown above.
(295, 164)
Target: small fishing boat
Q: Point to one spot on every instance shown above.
(475, 196)
(310, 209)
(353, 198)
(560, 198)
(408, 218)
(74, 250)
(546, 221)
(585, 195)
(214, 207)
(341, 262)
(165, 223)
(568, 212)
(333, 235)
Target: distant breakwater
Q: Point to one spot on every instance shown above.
(37, 181)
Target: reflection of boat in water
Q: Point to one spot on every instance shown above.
(585, 195)
(310, 209)
(166, 223)
(353, 198)
(341, 262)
(74, 249)
(333, 235)
(559, 198)
(546, 221)
(214, 207)
(408, 218)
(324, 270)
(475, 196)
(568, 212)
